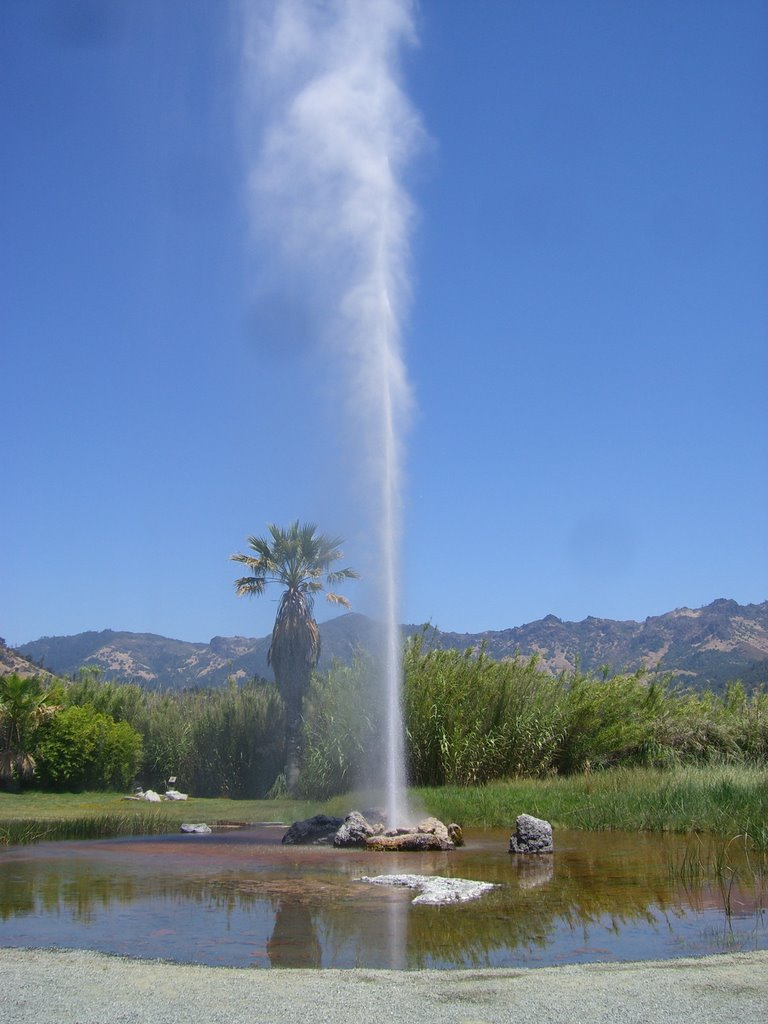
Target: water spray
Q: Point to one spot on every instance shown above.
(336, 133)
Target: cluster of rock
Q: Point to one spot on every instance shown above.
(155, 798)
(531, 835)
(356, 831)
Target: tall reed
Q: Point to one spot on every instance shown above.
(727, 801)
(470, 719)
(104, 826)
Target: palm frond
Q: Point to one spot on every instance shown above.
(261, 546)
(25, 765)
(248, 560)
(250, 586)
(337, 575)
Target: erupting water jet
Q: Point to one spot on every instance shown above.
(325, 186)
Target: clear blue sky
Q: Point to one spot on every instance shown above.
(587, 337)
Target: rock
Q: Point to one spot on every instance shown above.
(430, 834)
(531, 835)
(315, 831)
(455, 834)
(174, 794)
(200, 829)
(151, 796)
(354, 831)
(434, 889)
(409, 841)
(434, 827)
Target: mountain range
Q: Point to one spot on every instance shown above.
(702, 647)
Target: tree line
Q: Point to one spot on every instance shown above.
(469, 720)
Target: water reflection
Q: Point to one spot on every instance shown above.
(294, 941)
(243, 899)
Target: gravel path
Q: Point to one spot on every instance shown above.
(72, 987)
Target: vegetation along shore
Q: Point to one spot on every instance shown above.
(726, 801)
(486, 740)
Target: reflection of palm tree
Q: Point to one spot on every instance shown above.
(294, 941)
(299, 559)
(24, 706)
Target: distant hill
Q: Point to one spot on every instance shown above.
(158, 661)
(703, 647)
(13, 663)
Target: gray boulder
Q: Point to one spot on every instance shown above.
(316, 831)
(531, 835)
(197, 829)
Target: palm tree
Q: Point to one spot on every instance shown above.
(24, 706)
(298, 559)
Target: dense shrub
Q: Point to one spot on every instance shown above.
(705, 728)
(85, 749)
(164, 721)
(25, 706)
(470, 719)
(220, 742)
(236, 741)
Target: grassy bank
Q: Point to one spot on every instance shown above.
(724, 801)
(34, 816)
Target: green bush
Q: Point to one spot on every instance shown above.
(25, 707)
(85, 749)
(705, 728)
(163, 719)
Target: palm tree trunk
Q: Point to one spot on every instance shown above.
(294, 689)
(293, 704)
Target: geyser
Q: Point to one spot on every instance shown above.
(336, 131)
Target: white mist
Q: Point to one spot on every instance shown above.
(325, 186)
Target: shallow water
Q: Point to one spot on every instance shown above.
(239, 898)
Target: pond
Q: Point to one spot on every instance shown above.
(240, 898)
